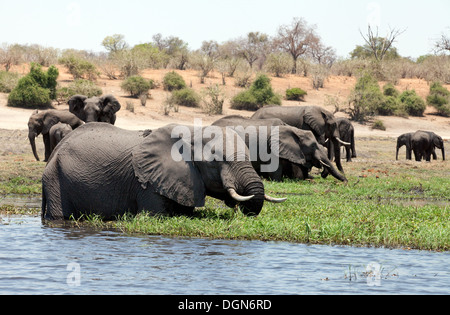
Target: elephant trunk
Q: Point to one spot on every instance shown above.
(396, 154)
(248, 184)
(329, 168)
(32, 138)
(443, 152)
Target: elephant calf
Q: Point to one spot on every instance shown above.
(57, 133)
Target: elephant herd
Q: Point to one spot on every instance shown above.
(422, 143)
(102, 169)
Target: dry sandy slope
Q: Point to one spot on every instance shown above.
(151, 116)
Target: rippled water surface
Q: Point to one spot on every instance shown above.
(36, 259)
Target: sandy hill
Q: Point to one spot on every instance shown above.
(151, 116)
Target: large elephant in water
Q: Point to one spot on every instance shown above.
(424, 143)
(105, 170)
(41, 122)
(321, 122)
(297, 150)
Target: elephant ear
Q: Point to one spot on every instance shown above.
(437, 141)
(109, 104)
(316, 119)
(290, 145)
(48, 122)
(76, 103)
(159, 162)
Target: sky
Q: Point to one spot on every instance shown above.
(84, 24)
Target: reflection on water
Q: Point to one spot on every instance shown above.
(36, 259)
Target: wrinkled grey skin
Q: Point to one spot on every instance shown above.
(95, 109)
(347, 134)
(405, 140)
(57, 133)
(424, 143)
(321, 122)
(298, 149)
(105, 170)
(41, 122)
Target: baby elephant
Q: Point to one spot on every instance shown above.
(57, 133)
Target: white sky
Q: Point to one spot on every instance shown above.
(84, 24)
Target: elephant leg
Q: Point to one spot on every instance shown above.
(348, 153)
(47, 145)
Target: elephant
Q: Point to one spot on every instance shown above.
(423, 144)
(95, 109)
(298, 150)
(405, 140)
(119, 171)
(321, 122)
(346, 134)
(57, 133)
(42, 122)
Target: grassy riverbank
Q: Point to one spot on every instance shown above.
(385, 203)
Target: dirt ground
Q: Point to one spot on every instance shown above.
(151, 116)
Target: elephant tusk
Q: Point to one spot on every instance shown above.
(324, 164)
(274, 200)
(342, 142)
(238, 197)
(327, 140)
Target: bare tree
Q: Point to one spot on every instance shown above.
(443, 44)
(253, 46)
(10, 55)
(379, 46)
(296, 38)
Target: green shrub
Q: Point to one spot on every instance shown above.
(136, 85)
(390, 90)
(412, 103)
(295, 94)
(245, 100)
(36, 89)
(259, 94)
(80, 86)
(378, 124)
(173, 81)
(29, 94)
(79, 68)
(8, 80)
(187, 97)
(365, 98)
(439, 98)
(389, 106)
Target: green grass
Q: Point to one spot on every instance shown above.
(385, 203)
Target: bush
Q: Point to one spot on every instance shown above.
(390, 90)
(412, 103)
(79, 68)
(80, 86)
(8, 80)
(213, 99)
(389, 106)
(378, 124)
(259, 94)
(29, 94)
(36, 89)
(295, 94)
(136, 85)
(187, 97)
(365, 99)
(439, 98)
(245, 100)
(173, 81)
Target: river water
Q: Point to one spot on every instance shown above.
(37, 259)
